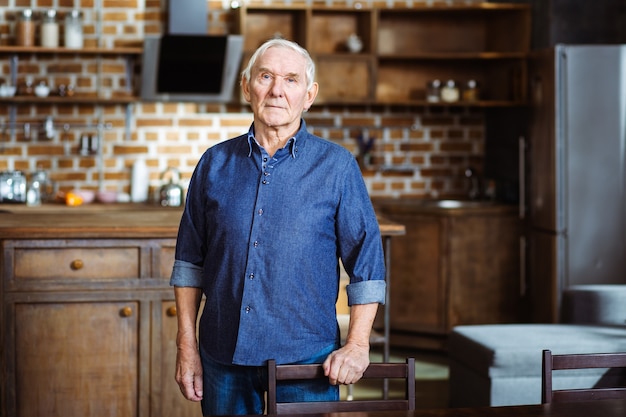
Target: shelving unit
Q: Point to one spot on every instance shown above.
(403, 48)
(94, 97)
(15, 53)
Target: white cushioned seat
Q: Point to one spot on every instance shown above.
(493, 365)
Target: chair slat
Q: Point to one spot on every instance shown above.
(374, 371)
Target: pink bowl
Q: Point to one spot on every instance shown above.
(106, 196)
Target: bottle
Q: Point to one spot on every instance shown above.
(33, 193)
(73, 30)
(50, 29)
(139, 182)
(26, 29)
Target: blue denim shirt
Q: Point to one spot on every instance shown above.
(262, 236)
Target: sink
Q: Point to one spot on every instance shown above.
(419, 204)
(454, 204)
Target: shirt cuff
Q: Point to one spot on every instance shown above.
(186, 274)
(366, 292)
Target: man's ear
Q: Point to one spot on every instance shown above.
(245, 88)
(310, 96)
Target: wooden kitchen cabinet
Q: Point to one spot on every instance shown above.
(74, 357)
(89, 328)
(403, 49)
(453, 267)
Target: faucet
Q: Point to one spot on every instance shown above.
(474, 189)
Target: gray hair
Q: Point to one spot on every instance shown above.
(282, 43)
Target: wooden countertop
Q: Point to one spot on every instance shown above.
(57, 221)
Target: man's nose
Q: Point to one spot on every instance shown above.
(278, 87)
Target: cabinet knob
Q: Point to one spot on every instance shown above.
(126, 312)
(77, 264)
(171, 312)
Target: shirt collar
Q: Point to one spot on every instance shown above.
(292, 142)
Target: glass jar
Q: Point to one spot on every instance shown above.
(471, 91)
(12, 187)
(450, 92)
(25, 35)
(433, 91)
(73, 29)
(50, 29)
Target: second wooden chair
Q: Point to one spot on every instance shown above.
(552, 362)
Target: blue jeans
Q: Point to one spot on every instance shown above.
(233, 389)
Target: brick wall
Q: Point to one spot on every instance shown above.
(418, 151)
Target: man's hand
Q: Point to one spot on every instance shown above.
(189, 372)
(347, 364)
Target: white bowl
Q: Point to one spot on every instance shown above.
(87, 195)
(7, 90)
(42, 91)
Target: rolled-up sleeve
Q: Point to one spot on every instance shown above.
(186, 274)
(366, 292)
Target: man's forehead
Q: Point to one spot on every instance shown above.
(282, 60)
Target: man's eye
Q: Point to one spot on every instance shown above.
(266, 76)
(291, 80)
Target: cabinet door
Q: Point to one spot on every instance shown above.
(76, 359)
(417, 290)
(170, 401)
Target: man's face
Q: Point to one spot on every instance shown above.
(277, 90)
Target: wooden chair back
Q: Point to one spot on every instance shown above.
(381, 371)
(552, 362)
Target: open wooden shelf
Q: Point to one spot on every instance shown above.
(403, 49)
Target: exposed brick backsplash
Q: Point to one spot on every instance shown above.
(418, 151)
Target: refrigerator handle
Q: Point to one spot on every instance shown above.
(523, 286)
(522, 177)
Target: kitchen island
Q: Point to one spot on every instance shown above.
(88, 316)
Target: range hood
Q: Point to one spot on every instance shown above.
(186, 64)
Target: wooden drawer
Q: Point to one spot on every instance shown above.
(76, 263)
(165, 259)
(46, 263)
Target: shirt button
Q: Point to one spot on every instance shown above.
(256, 243)
(251, 276)
(248, 309)
(260, 212)
(265, 182)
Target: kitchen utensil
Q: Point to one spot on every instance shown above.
(171, 192)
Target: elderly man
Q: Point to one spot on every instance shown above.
(267, 217)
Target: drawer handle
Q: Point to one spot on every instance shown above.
(77, 264)
(171, 312)
(126, 312)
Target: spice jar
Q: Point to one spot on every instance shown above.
(50, 29)
(433, 91)
(471, 91)
(26, 29)
(450, 92)
(73, 30)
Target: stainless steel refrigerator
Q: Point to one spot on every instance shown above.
(576, 217)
